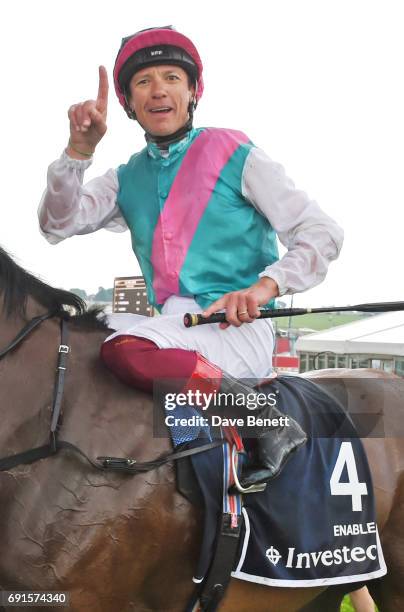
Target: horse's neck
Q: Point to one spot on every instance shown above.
(98, 411)
(27, 375)
(102, 413)
(26, 382)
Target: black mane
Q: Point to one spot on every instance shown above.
(16, 285)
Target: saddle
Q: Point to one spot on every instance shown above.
(294, 533)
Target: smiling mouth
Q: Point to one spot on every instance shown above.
(161, 110)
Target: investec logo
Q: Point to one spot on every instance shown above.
(323, 557)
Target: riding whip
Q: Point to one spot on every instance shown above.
(190, 320)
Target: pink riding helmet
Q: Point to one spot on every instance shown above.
(153, 47)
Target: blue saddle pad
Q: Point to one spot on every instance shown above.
(315, 523)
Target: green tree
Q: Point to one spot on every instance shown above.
(103, 295)
(80, 292)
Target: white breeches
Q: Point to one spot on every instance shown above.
(243, 352)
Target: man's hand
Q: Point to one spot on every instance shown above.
(243, 306)
(88, 120)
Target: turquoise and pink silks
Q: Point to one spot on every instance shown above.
(193, 232)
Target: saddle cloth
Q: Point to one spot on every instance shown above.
(315, 523)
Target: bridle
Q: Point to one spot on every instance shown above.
(23, 333)
(121, 464)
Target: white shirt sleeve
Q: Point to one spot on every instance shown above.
(312, 238)
(68, 207)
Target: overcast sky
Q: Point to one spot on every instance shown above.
(318, 84)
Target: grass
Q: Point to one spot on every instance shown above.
(320, 321)
(346, 605)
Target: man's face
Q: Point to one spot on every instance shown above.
(160, 96)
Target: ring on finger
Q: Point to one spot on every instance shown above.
(243, 312)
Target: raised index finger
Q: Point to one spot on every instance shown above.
(102, 96)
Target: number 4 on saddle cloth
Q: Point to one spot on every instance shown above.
(314, 524)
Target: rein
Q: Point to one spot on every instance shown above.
(23, 333)
(120, 464)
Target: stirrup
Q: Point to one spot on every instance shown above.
(254, 488)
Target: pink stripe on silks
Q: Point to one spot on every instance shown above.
(188, 198)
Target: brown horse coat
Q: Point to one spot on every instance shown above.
(117, 542)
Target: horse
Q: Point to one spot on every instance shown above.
(120, 542)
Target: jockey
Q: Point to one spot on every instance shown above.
(203, 206)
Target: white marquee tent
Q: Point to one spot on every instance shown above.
(377, 335)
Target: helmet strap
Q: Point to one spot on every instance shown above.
(164, 141)
(129, 111)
